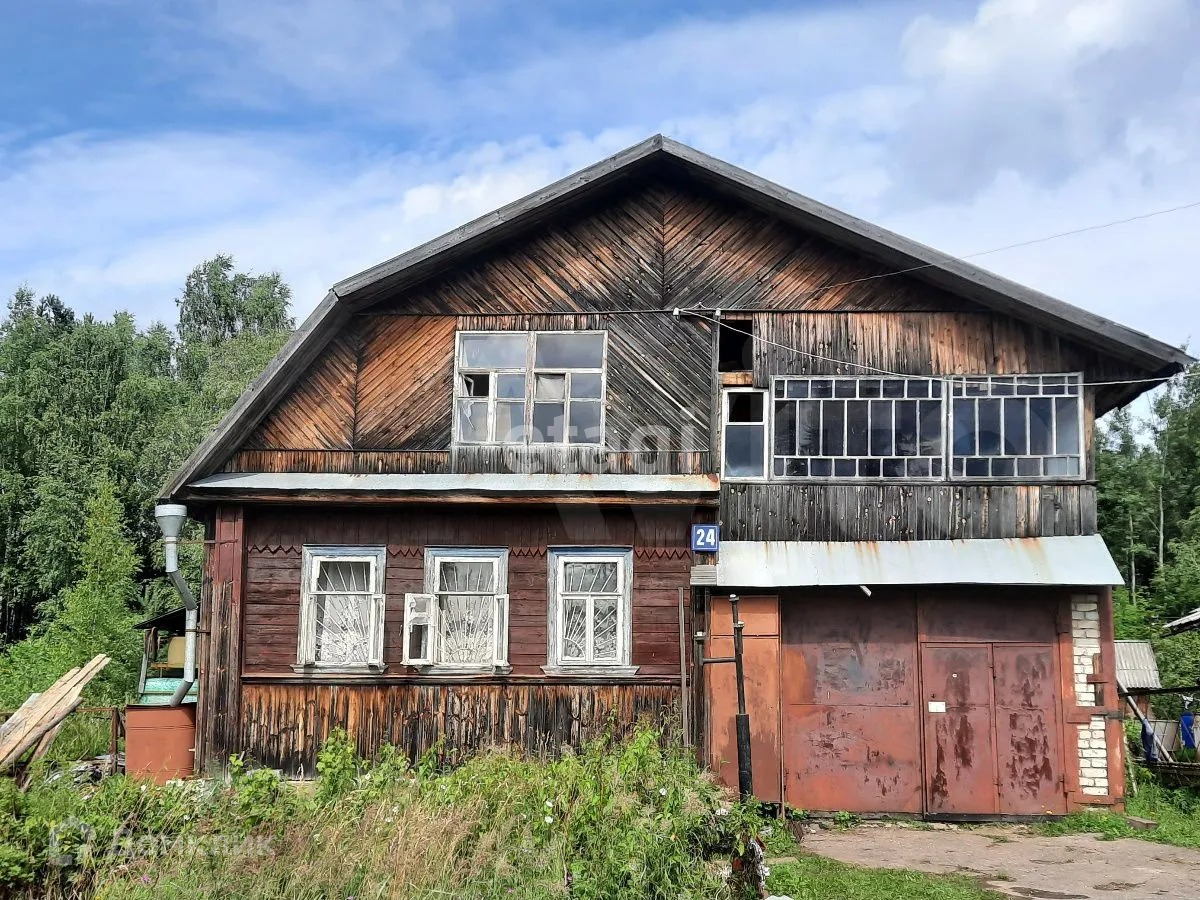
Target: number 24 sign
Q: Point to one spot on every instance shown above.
(706, 538)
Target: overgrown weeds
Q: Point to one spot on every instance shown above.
(1176, 810)
(617, 819)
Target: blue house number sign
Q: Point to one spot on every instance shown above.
(706, 538)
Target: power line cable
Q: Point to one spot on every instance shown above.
(876, 370)
(1038, 240)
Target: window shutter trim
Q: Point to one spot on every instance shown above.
(414, 619)
(500, 612)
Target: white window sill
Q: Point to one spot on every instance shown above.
(338, 670)
(463, 670)
(592, 671)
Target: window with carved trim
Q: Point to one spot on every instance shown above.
(342, 608)
(461, 621)
(590, 610)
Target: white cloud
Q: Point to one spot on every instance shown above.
(1018, 120)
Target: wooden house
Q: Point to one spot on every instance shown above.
(458, 506)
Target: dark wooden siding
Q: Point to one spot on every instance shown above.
(218, 718)
(275, 539)
(380, 399)
(285, 724)
(904, 512)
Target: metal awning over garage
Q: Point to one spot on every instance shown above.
(1081, 561)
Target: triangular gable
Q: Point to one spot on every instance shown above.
(695, 254)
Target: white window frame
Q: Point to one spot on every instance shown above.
(530, 371)
(766, 425)
(948, 455)
(557, 558)
(989, 383)
(429, 662)
(940, 400)
(312, 558)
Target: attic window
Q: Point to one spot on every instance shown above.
(735, 345)
(521, 387)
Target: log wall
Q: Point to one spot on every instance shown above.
(285, 724)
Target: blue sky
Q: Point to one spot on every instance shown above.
(317, 138)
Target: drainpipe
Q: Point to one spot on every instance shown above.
(171, 517)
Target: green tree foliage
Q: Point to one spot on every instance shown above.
(92, 408)
(1149, 512)
(95, 615)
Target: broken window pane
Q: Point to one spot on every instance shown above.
(745, 406)
(475, 385)
(494, 351)
(473, 420)
(1060, 466)
(930, 412)
(569, 351)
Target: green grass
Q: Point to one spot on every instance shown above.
(630, 819)
(1176, 810)
(817, 878)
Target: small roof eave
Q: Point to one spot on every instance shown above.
(1190, 622)
(1068, 561)
(504, 484)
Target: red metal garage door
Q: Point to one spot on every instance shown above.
(992, 733)
(850, 715)
(859, 733)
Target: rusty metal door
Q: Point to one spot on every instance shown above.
(1028, 732)
(851, 726)
(960, 763)
(992, 732)
(760, 655)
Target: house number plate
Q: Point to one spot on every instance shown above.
(706, 538)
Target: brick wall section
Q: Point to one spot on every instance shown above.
(1093, 748)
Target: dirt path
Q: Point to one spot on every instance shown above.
(1015, 862)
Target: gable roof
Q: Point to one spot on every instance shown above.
(1158, 359)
